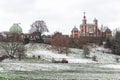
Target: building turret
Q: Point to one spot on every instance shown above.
(15, 32)
(15, 28)
(96, 25)
(108, 32)
(84, 19)
(75, 32)
(95, 21)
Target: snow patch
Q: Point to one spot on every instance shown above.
(49, 55)
(32, 67)
(113, 66)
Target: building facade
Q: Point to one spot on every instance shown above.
(90, 30)
(16, 33)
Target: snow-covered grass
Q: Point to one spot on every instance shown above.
(73, 57)
(112, 66)
(78, 68)
(35, 46)
(103, 57)
(32, 67)
(51, 71)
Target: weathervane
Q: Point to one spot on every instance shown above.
(84, 15)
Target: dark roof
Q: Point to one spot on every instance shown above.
(95, 19)
(107, 30)
(75, 29)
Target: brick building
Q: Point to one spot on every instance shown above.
(90, 30)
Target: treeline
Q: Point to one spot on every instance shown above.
(80, 42)
(115, 43)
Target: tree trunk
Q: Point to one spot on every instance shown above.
(11, 57)
(19, 57)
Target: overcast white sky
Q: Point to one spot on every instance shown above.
(59, 15)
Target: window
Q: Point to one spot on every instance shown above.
(90, 29)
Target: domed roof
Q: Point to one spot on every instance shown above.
(15, 28)
(75, 29)
(107, 30)
(95, 19)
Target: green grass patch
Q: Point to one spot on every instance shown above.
(20, 78)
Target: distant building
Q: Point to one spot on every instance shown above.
(75, 32)
(15, 33)
(107, 33)
(89, 30)
(15, 28)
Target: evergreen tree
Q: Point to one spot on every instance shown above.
(26, 40)
(116, 43)
(108, 42)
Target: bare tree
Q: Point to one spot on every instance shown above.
(38, 27)
(61, 43)
(13, 49)
(21, 51)
(94, 58)
(86, 51)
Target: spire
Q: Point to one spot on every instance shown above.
(95, 21)
(75, 26)
(84, 21)
(84, 15)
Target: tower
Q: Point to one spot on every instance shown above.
(84, 22)
(95, 21)
(96, 26)
(75, 32)
(84, 19)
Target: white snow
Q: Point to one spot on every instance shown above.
(102, 49)
(74, 60)
(113, 66)
(75, 55)
(42, 51)
(49, 55)
(108, 61)
(32, 67)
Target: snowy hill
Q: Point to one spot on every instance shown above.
(75, 55)
(78, 68)
(102, 56)
(42, 51)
